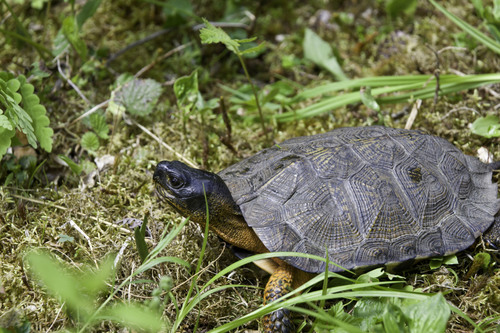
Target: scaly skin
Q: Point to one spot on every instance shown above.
(279, 284)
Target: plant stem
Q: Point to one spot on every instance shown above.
(255, 94)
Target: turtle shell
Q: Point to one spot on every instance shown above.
(367, 195)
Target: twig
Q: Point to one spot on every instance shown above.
(163, 57)
(436, 74)
(136, 43)
(77, 228)
(413, 114)
(89, 112)
(459, 109)
(55, 319)
(71, 83)
(160, 141)
(121, 251)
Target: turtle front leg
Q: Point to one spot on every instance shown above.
(279, 284)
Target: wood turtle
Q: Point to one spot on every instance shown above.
(368, 195)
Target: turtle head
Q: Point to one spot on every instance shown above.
(186, 188)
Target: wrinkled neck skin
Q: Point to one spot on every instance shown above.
(228, 223)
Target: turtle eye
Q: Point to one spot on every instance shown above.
(175, 182)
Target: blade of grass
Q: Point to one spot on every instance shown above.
(420, 88)
(188, 303)
(476, 34)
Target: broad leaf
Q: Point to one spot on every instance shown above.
(211, 34)
(139, 96)
(320, 52)
(99, 125)
(488, 126)
(90, 142)
(186, 90)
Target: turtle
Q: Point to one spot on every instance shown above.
(363, 196)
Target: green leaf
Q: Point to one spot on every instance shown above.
(36, 72)
(99, 125)
(397, 7)
(71, 32)
(473, 32)
(428, 316)
(257, 49)
(139, 96)
(368, 99)
(88, 10)
(135, 316)
(5, 123)
(65, 238)
(211, 34)
(37, 113)
(488, 126)
(186, 90)
(90, 142)
(5, 140)
(496, 10)
(60, 281)
(321, 53)
(13, 85)
(61, 44)
(139, 235)
(77, 169)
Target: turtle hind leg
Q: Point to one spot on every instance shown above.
(279, 284)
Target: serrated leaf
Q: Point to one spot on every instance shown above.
(186, 90)
(210, 34)
(139, 96)
(36, 72)
(90, 142)
(77, 169)
(61, 44)
(99, 125)
(488, 126)
(321, 53)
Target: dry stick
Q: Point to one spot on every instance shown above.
(50, 204)
(89, 112)
(55, 319)
(160, 141)
(74, 86)
(163, 57)
(413, 114)
(436, 74)
(136, 43)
